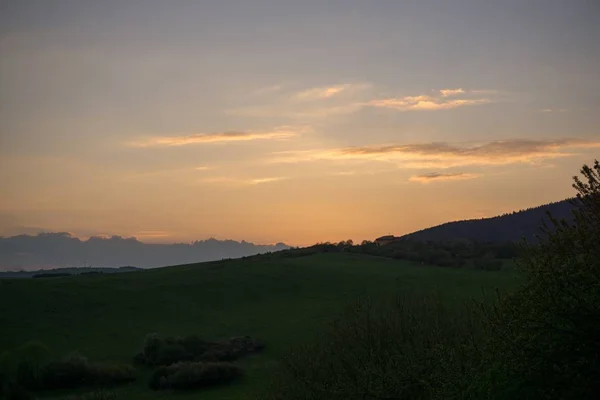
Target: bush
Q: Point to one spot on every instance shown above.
(193, 375)
(76, 371)
(168, 350)
(71, 372)
(112, 374)
(13, 391)
(413, 346)
(171, 353)
(98, 395)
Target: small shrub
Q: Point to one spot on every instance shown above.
(13, 391)
(76, 371)
(171, 353)
(98, 395)
(168, 350)
(155, 379)
(112, 374)
(193, 375)
(71, 372)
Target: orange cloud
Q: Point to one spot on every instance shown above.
(219, 137)
(151, 234)
(451, 92)
(329, 91)
(437, 176)
(226, 180)
(426, 102)
(444, 155)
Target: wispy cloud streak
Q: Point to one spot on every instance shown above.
(326, 92)
(437, 176)
(233, 181)
(445, 155)
(445, 99)
(219, 137)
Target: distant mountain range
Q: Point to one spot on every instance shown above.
(503, 228)
(61, 250)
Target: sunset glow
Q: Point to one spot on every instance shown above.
(295, 122)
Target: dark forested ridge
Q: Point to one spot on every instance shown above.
(503, 228)
(56, 250)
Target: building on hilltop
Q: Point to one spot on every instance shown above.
(386, 239)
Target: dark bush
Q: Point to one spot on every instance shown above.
(112, 374)
(98, 395)
(193, 375)
(155, 379)
(13, 391)
(170, 353)
(71, 372)
(76, 371)
(410, 347)
(169, 350)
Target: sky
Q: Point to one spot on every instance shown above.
(290, 121)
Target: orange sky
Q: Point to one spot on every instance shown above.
(280, 122)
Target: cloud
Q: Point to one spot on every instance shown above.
(258, 181)
(268, 90)
(151, 234)
(344, 173)
(171, 173)
(329, 91)
(334, 100)
(308, 111)
(430, 102)
(445, 155)
(451, 92)
(553, 110)
(285, 132)
(437, 176)
(232, 181)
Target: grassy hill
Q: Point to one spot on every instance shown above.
(281, 301)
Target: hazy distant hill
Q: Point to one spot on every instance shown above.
(57, 250)
(503, 228)
(45, 273)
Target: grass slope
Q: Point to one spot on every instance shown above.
(279, 300)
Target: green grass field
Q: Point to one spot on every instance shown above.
(281, 301)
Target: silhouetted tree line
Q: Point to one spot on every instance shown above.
(447, 253)
(509, 227)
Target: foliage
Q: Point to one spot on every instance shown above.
(13, 391)
(167, 350)
(413, 346)
(96, 395)
(52, 275)
(193, 375)
(545, 337)
(76, 371)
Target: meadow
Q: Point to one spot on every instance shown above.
(281, 301)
